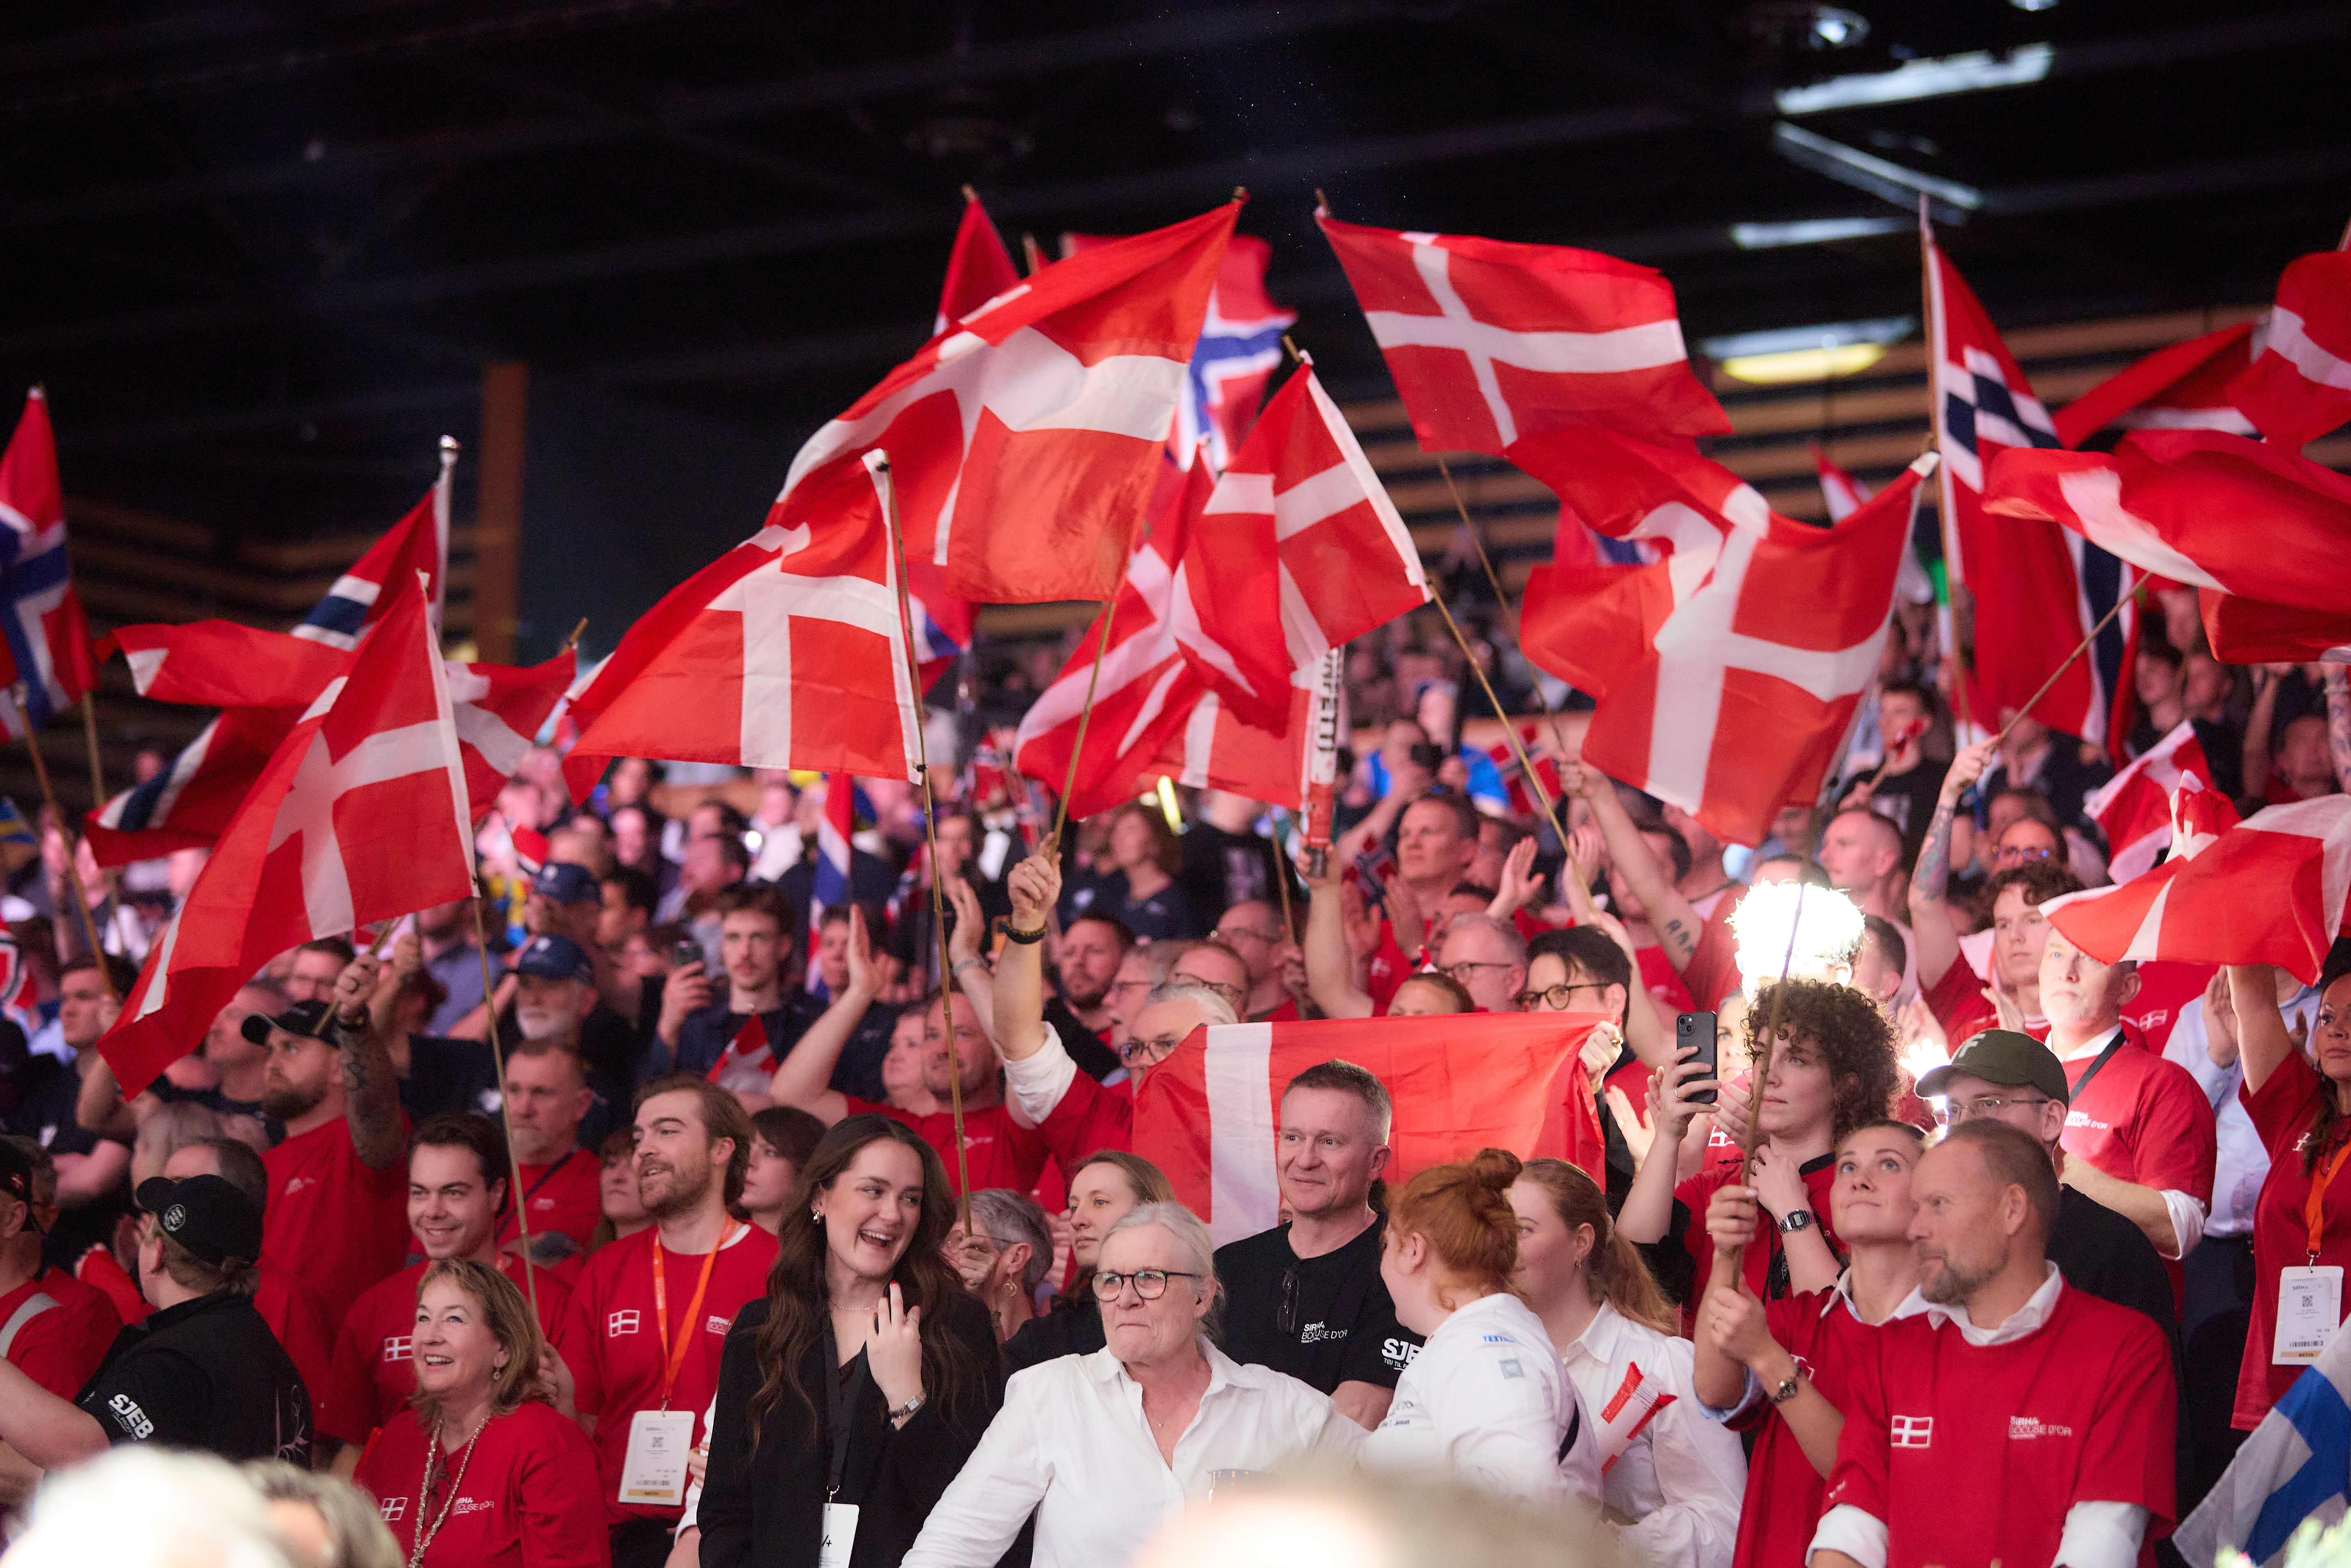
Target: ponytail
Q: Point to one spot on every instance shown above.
(1615, 1271)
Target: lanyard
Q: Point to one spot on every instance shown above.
(2314, 1207)
(2073, 1097)
(839, 1404)
(673, 1358)
(544, 1177)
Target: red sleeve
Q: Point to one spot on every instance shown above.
(2127, 1454)
(2176, 1144)
(1713, 971)
(50, 1350)
(1956, 1001)
(348, 1412)
(561, 1471)
(1387, 969)
(554, 1298)
(1858, 1479)
(581, 1349)
(1087, 1118)
(2281, 1110)
(100, 1269)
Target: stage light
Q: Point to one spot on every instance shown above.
(1867, 172)
(1793, 354)
(1812, 231)
(1938, 78)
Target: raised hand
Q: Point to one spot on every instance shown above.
(1035, 886)
(893, 1350)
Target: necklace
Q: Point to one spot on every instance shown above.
(431, 1470)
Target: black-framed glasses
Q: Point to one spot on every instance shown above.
(1285, 1315)
(1153, 1051)
(1554, 997)
(1958, 1111)
(1149, 1283)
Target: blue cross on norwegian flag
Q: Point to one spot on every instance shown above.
(2039, 589)
(418, 542)
(48, 647)
(1239, 350)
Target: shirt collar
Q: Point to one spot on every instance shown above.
(1910, 1306)
(2097, 1045)
(2027, 1318)
(1600, 1336)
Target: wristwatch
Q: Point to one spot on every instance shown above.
(906, 1411)
(1797, 1219)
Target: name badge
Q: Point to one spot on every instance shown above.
(839, 1535)
(2310, 1309)
(654, 1472)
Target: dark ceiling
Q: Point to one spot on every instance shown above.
(258, 252)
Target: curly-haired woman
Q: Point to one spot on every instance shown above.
(1829, 1068)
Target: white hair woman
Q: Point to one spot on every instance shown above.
(1107, 1447)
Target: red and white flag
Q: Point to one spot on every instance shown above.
(361, 816)
(979, 268)
(2135, 808)
(1505, 759)
(1209, 1115)
(43, 638)
(1728, 672)
(2183, 387)
(419, 542)
(2299, 385)
(1843, 495)
(1027, 441)
(2268, 890)
(789, 651)
(1491, 343)
(2199, 507)
(2253, 631)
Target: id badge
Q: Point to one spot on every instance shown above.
(2310, 1309)
(839, 1535)
(654, 1472)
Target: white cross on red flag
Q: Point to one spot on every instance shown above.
(1491, 342)
(361, 816)
(2299, 385)
(2136, 808)
(1728, 671)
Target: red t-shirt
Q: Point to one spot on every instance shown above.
(1757, 1265)
(2167, 989)
(560, 1197)
(517, 1503)
(610, 1339)
(1087, 1117)
(100, 1269)
(1957, 1000)
(1974, 1454)
(2144, 1120)
(1664, 982)
(2283, 1114)
(340, 1225)
(1783, 1491)
(373, 1370)
(999, 1151)
(1389, 967)
(61, 1344)
(1713, 972)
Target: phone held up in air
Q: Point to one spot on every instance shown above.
(1698, 1029)
(687, 951)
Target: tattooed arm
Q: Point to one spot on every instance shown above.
(2338, 724)
(1677, 924)
(371, 1088)
(1931, 921)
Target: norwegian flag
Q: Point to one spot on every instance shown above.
(2134, 807)
(47, 648)
(1491, 343)
(1729, 672)
(2268, 890)
(1844, 495)
(20, 991)
(979, 268)
(2299, 385)
(830, 883)
(419, 542)
(2183, 387)
(1210, 1114)
(2199, 507)
(263, 680)
(787, 652)
(1505, 759)
(359, 817)
(2252, 631)
(1028, 440)
(2037, 589)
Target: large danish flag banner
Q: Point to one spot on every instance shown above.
(361, 816)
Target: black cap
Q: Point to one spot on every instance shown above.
(302, 1018)
(2005, 1057)
(17, 1179)
(205, 1214)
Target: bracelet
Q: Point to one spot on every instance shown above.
(961, 963)
(1012, 934)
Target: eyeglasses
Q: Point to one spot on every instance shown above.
(1285, 1316)
(1149, 1283)
(2018, 852)
(1129, 984)
(1554, 997)
(1155, 1051)
(1237, 932)
(1461, 974)
(1958, 1110)
(1223, 988)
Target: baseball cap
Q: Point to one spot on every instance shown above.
(302, 1018)
(560, 882)
(16, 1178)
(205, 1215)
(556, 958)
(2005, 1057)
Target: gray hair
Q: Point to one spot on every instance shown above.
(355, 1531)
(1191, 1235)
(1478, 920)
(142, 1506)
(1213, 1008)
(1008, 1217)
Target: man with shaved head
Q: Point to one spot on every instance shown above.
(1861, 852)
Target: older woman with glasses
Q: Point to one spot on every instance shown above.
(1107, 1448)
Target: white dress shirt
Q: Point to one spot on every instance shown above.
(2096, 1535)
(1073, 1444)
(1034, 1084)
(1681, 1478)
(2244, 1159)
(2186, 1213)
(1487, 1399)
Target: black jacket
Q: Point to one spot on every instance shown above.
(1072, 1328)
(768, 1506)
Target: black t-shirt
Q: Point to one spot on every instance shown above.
(2104, 1254)
(1095, 1059)
(1343, 1325)
(44, 1113)
(207, 1374)
(1074, 1327)
(1906, 799)
(1221, 869)
(445, 1075)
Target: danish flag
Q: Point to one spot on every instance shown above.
(46, 647)
(361, 816)
(1729, 671)
(979, 268)
(2299, 385)
(1843, 495)
(1491, 342)
(2183, 387)
(2268, 890)
(2253, 631)
(1911, 1431)
(2134, 807)
(748, 1061)
(419, 542)
(830, 883)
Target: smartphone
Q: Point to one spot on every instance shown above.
(1428, 755)
(686, 953)
(1698, 1029)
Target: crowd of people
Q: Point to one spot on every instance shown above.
(699, 1221)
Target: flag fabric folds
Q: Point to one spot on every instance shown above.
(2182, 387)
(979, 268)
(418, 542)
(2134, 807)
(2252, 631)
(359, 816)
(2299, 386)
(1843, 495)
(46, 640)
(1209, 1115)
(1728, 671)
(2294, 1466)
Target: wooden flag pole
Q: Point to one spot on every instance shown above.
(878, 463)
(73, 872)
(1509, 730)
(498, 1064)
(1948, 525)
(96, 783)
(2067, 661)
(1053, 847)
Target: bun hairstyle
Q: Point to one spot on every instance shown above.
(1463, 1210)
